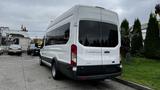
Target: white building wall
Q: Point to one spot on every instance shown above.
(24, 42)
(144, 34)
(144, 29)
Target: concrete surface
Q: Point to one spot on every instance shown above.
(25, 73)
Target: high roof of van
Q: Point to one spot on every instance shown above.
(76, 9)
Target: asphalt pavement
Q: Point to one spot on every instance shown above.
(25, 73)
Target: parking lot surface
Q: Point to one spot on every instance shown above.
(25, 73)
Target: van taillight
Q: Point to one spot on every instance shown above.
(73, 55)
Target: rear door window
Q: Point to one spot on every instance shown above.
(89, 33)
(109, 35)
(97, 34)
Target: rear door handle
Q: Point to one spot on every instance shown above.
(106, 51)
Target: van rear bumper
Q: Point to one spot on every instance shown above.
(97, 72)
(95, 77)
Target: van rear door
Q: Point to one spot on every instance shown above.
(97, 37)
(110, 41)
(89, 50)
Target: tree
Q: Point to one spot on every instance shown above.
(157, 9)
(152, 41)
(136, 40)
(125, 41)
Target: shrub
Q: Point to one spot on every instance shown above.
(152, 41)
(136, 40)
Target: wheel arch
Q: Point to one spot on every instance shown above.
(54, 60)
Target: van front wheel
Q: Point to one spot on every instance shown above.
(55, 72)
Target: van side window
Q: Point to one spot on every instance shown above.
(59, 35)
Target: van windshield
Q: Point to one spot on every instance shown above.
(98, 34)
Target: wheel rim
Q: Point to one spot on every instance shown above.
(53, 71)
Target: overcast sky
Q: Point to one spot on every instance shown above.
(36, 14)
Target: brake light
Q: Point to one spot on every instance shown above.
(73, 55)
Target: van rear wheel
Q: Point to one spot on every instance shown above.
(40, 61)
(55, 72)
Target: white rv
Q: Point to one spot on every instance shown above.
(83, 43)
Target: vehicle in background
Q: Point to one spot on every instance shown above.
(1, 50)
(33, 50)
(15, 49)
(83, 43)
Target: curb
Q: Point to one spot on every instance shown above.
(132, 84)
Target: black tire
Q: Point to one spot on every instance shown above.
(19, 54)
(40, 62)
(28, 53)
(32, 54)
(54, 71)
(9, 53)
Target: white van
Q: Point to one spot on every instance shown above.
(83, 43)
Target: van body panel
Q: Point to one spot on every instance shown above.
(110, 58)
(88, 56)
(88, 13)
(109, 16)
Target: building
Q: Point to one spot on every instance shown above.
(2, 37)
(144, 29)
(14, 37)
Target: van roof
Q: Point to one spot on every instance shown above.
(72, 11)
